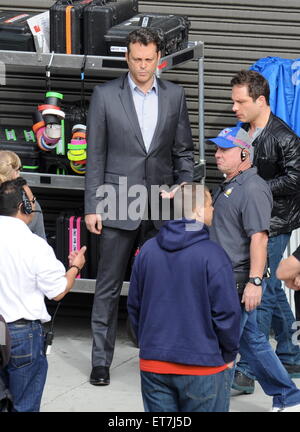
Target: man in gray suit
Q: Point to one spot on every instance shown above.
(139, 138)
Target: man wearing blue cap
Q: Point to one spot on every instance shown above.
(242, 213)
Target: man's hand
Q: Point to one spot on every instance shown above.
(230, 365)
(77, 258)
(251, 296)
(93, 223)
(170, 195)
(297, 282)
(293, 284)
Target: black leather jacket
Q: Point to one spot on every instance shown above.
(277, 157)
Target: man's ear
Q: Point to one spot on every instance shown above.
(261, 100)
(20, 208)
(199, 212)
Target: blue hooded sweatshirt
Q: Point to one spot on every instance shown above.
(182, 299)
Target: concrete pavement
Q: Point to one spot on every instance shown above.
(68, 389)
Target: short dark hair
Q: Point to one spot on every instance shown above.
(144, 36)
(256, 83)
(11, 196)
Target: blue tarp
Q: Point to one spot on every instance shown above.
(283, 76)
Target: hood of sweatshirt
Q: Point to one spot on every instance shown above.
(181, 233)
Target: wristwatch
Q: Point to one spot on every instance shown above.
(255, 280)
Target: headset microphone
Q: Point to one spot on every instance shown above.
(26, 205)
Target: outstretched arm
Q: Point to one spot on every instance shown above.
(289, 271)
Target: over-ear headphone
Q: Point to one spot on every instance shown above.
(243, 155)
(26, 206)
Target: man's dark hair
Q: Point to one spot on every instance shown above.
(11, 196)
(256, 83)
(144, 36)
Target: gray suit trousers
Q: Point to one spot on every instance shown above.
(115, 251)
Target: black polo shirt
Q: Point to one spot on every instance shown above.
(297, 253)
(242, 207)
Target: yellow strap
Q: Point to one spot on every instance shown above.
(76, 158)
(78, 171)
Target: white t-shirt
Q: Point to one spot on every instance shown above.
(29, 270)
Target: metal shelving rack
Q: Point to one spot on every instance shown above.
(105, 66)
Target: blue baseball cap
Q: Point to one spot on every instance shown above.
(233, 137)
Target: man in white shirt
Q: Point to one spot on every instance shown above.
(29, 271)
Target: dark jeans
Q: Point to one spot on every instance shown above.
(25, 374)
(186, 393)
(274, 311)
(268, 369)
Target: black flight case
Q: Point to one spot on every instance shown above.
(15, 34)
(66, 26)
(71, 234)
(173, 30)
(99, 18)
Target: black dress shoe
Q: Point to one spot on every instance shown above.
(100, 376)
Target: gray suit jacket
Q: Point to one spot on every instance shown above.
(117, 159)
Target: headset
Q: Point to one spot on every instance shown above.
(26, 206)
(243, 155)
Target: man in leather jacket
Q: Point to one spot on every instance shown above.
(277, 158)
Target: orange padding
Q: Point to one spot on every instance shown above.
(38, 126)
(69, 29)
(78, 135)
(161, 367)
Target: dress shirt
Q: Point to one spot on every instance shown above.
(29, 271)
(146, 106)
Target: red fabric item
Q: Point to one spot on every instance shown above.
(161, 367)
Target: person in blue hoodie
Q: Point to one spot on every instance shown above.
(184, 310)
